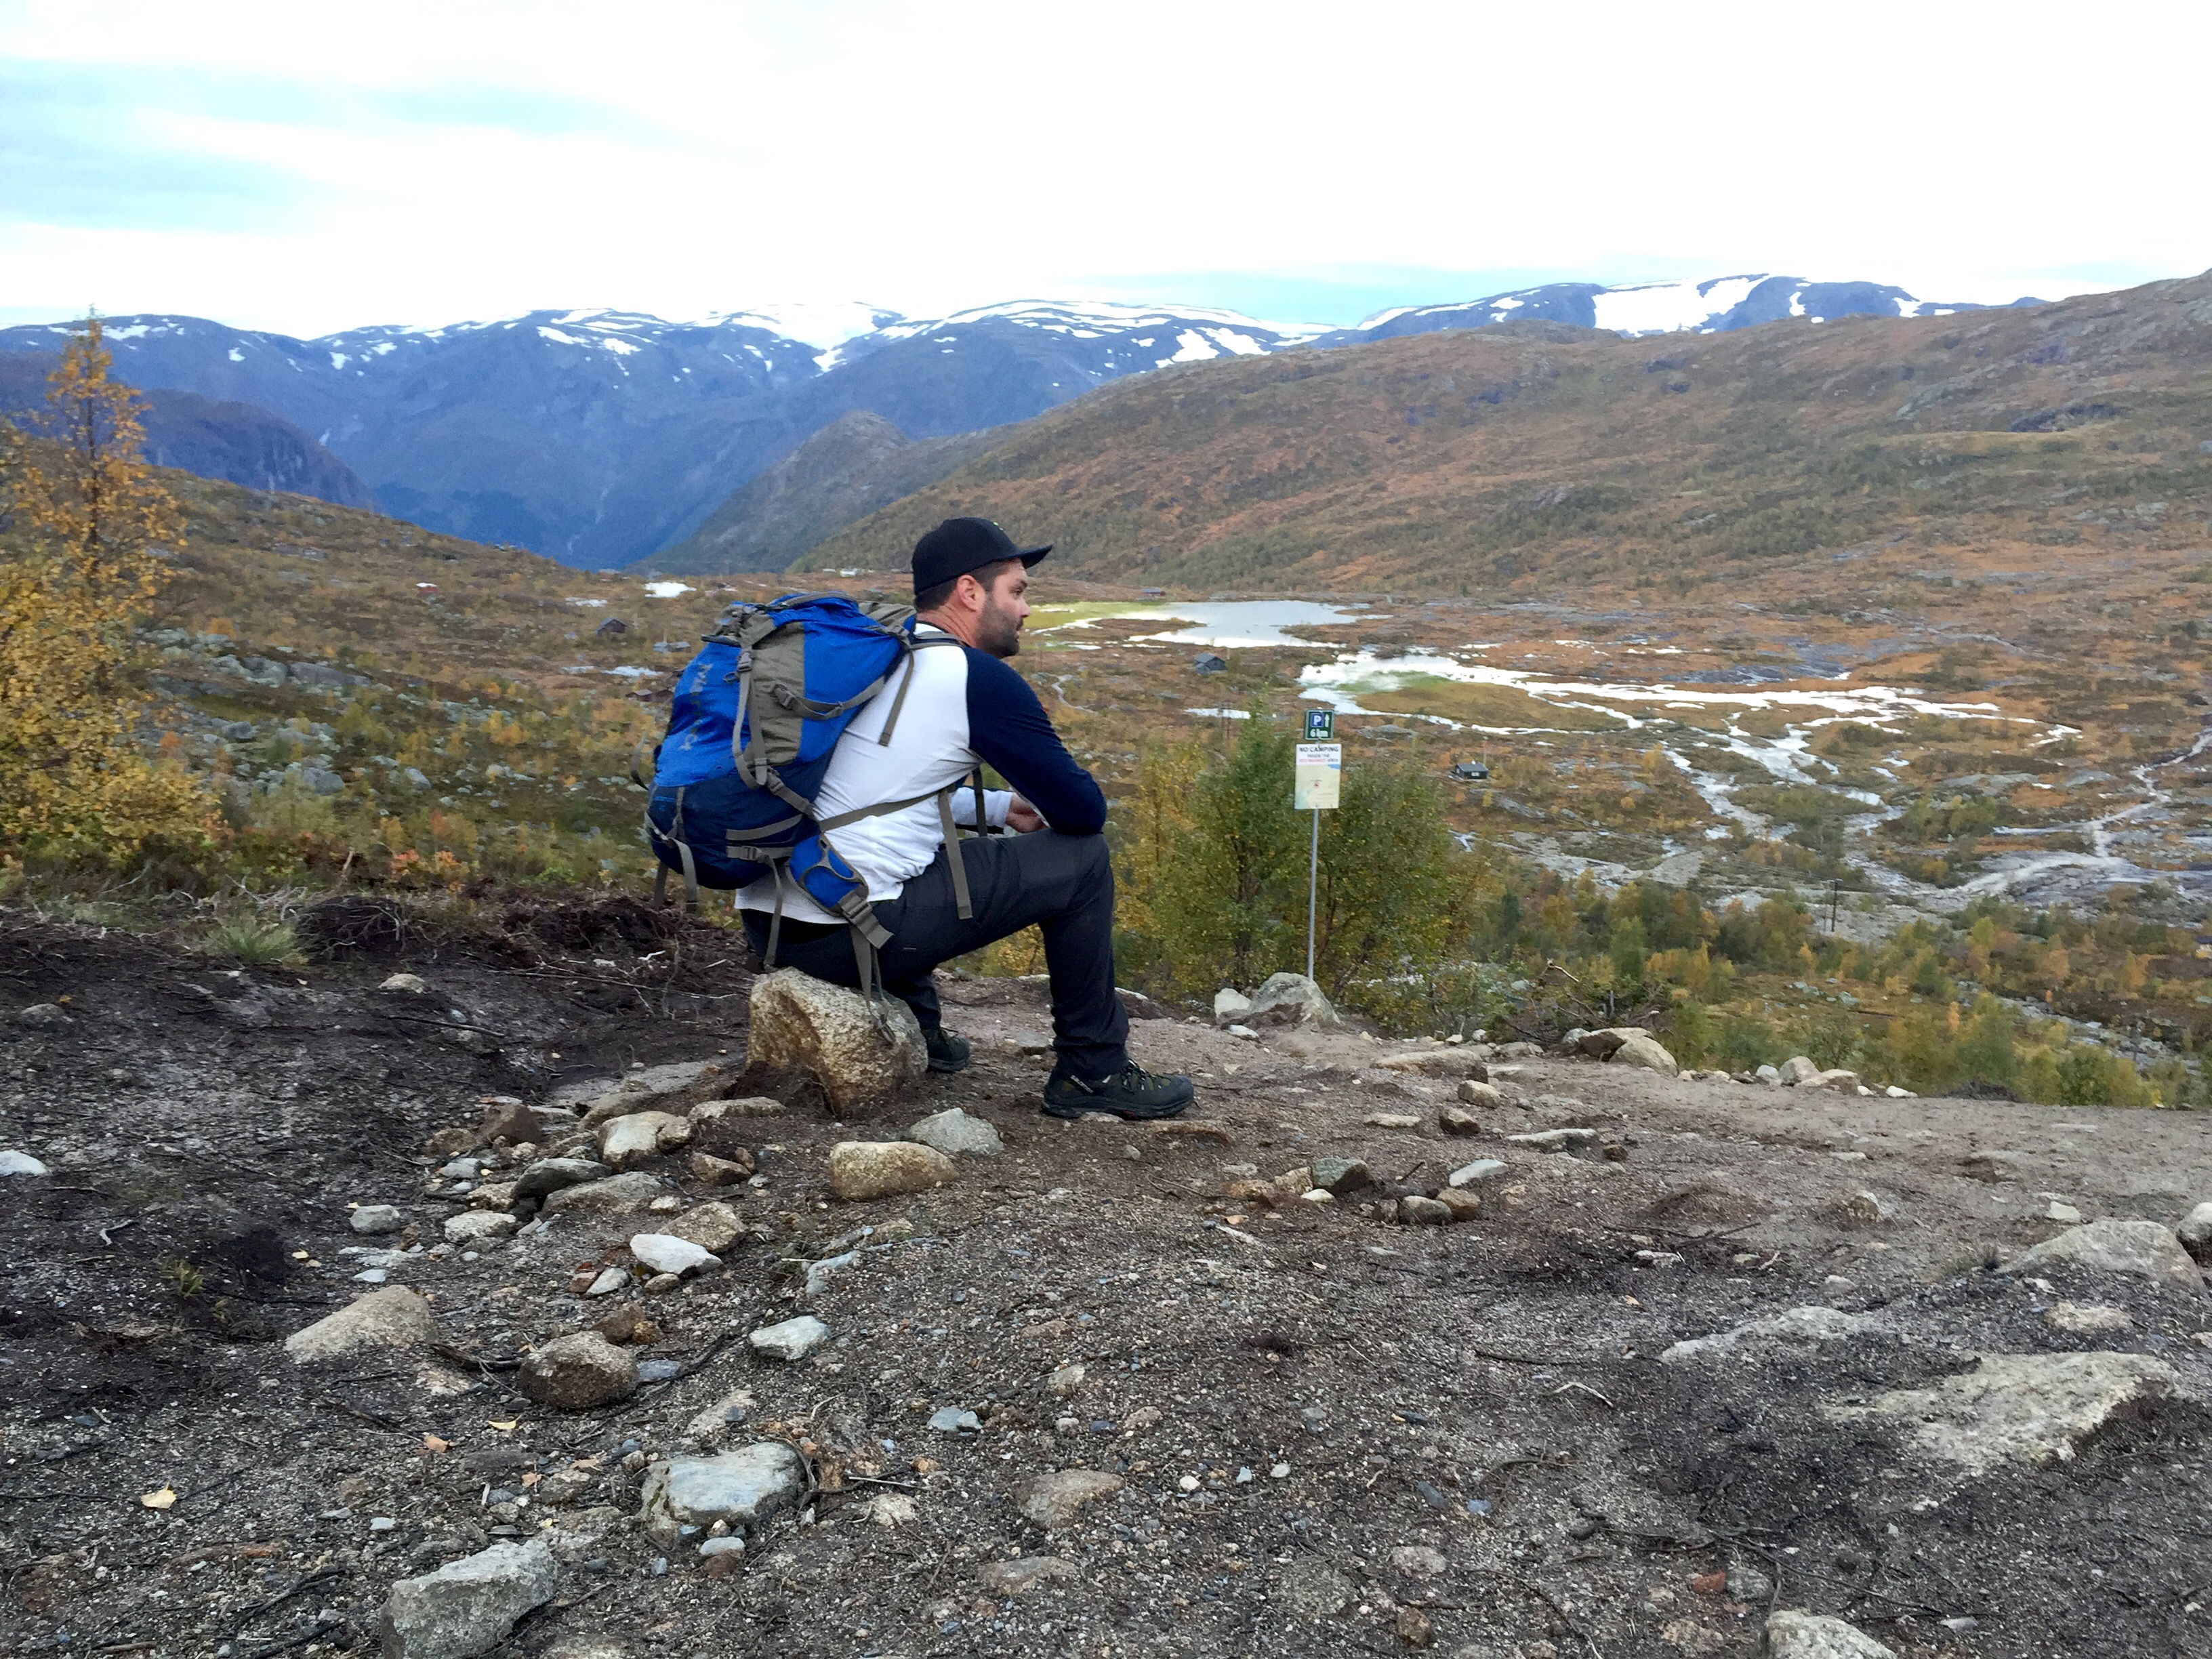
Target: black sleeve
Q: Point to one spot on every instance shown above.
(1008, 727)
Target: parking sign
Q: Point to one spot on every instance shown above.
(1321, 725)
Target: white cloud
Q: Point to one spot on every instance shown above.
(465, 159)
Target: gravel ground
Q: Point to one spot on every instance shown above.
(1332, 1433)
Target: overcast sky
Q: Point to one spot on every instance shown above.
(308, 168)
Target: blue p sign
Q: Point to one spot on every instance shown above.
(1321, 725)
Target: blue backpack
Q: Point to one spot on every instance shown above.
(756, 716)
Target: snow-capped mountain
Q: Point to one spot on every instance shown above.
(599, 437)
(1712, 307)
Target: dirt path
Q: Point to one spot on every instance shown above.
(1335, 1435)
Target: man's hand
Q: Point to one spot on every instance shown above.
(1022, 817)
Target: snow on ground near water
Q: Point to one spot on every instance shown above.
(1339, 683)
(1663, 307)
(668, 590)
(1224, 625)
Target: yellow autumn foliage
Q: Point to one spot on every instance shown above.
(81, 519)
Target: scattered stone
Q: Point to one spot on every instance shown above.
(2034, 1409)
(493, 1195)
(713, 1227)
(832, 1033)
(1341, 1176)
(2195, 1232)
(1313, 1590)
(468, 1608)
(410, 983)
(1816, 1635)
(1454, 1121)
(1481, 1169)
(548, 1175)
(2087, 1318)
(1229, 1007)
(1414, 1627)
(1770, 1076)
(664, 1253)
(1291, 1000)
(611, 1197)
(2065, 1213)
(627, 1325)
(43, 1016)
(1440, 1062)
(712, 1171)
(1603, 1045)
(1480, 1094)
(575, 1373)
(1555, 1140)
(478, 1226)
(891, 1509)
(790, 1341)
(1843, 1082)
(1391, 1121)
(744, 1489)
(955, 1134)
(634, 1136)
(1796, 1070)
(1419, 1561)
(1417, 1212)
(1865, 1208)
(512, 1121)
(1895, 1093)
(950, 1419)
(376, 1219)
(673, 1088)
(1063, 1382)
(20, 1164)
(1144, 1418)
(606, 1282)
(1052, 1501)
(1019, 1578)
(1812, 1323)
(2148, 1249)
(1463, 1205)
(392, 1318)
(886, 1169)
(1646, 1051)
(1748, 1583)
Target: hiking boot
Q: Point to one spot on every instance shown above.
(1131, 1092)
(948, 1050)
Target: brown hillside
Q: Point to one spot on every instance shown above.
(1515, 455)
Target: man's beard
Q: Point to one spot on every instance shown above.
(997, 633)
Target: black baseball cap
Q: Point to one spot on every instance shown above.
(960, 545)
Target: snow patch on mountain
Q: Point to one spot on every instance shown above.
(1667, 307)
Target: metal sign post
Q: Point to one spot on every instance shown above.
(1317, 772)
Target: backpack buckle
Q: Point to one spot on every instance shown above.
(784, 696)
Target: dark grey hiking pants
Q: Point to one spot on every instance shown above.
(1062, 884)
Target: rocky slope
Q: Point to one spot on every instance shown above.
(1738, 1365)
(1522, 455)
(235, 442)
(858, 463)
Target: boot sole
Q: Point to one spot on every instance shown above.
(1073, 1109)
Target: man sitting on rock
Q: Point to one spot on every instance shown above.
(964, 708)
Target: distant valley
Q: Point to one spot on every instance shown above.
(605, 439)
